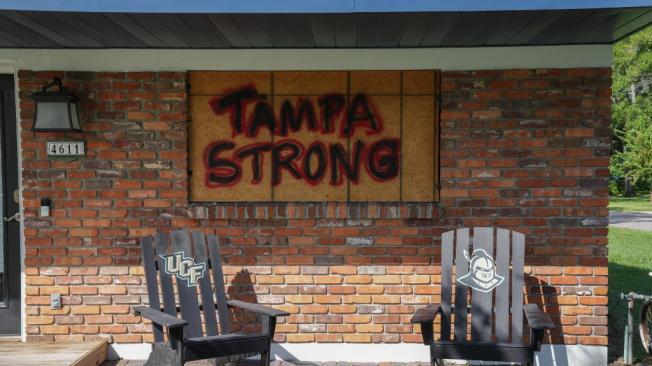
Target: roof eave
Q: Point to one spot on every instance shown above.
(310, 6)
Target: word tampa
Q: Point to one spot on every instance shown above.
(335, 161)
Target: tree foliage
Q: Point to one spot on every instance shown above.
(635, 160)
(632, 59)
(632, 107)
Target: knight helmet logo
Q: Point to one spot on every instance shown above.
(184, 268)
(482, 274)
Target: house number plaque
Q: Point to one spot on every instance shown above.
(66, 149)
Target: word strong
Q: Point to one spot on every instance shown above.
(313, 162)
(184, 268)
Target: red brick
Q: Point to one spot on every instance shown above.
(513, 167)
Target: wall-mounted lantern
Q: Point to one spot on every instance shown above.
(56, 111)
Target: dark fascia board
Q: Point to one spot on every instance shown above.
(309, 6)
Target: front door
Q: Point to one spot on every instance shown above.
(9, 208)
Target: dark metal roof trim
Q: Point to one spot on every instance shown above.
(309, 6)
(57, 29)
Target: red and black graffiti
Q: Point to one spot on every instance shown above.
(336, 162)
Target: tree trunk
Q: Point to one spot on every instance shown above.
(629, 189)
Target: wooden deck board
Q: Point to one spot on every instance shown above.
(53, 354)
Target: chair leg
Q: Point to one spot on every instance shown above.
(439, 362)
(264, 357)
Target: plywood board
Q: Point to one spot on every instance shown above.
(207, 131)
(418, 148)
(316, 185)
(219, 82)
(250, 140)
(384, 185)
(376, 82)
(419, 82)
(310, 82)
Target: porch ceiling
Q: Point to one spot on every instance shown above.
(315, 24)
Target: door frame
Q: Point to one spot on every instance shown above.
(10, 67)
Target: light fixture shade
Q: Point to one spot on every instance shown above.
(56, 111)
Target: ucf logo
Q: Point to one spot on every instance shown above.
(482, 274)
(184, 268)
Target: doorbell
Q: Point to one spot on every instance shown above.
(45, 207)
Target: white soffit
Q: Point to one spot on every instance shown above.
(309, 59)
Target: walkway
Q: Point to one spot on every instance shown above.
(631, 220)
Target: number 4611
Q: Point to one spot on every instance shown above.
(66, 148)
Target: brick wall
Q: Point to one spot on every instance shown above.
(522, 149)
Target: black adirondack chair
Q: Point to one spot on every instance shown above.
(191, 270)
(496, 323)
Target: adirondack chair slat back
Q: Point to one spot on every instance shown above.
(490, 284)
(165, 279)
(149, 263)
(218, 280)
(502, 292)
(461, 295)
(205, 287)
(518, 259)
(446, 293)
(186, 262)
(187, 294)
(481, 302)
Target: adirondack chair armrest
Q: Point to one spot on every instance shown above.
(536, 318)
(257, 308)
(159, 317)
(426, 316)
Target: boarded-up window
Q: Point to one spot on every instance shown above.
(314, 136)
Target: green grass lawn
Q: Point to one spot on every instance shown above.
(630, 260)
(630, 204)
